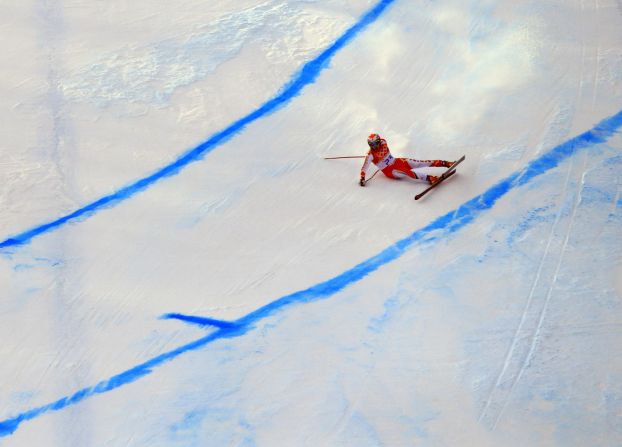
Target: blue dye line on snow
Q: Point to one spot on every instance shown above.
(447, 224)
(307, 75)
(199, 321)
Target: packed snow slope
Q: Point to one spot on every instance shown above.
(179, 266)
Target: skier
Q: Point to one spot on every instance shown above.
(395, 168)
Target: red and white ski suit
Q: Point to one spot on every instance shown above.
(398, 167)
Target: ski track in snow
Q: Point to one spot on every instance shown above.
(526, 336)
(441, 227)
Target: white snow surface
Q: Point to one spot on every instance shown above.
(504, 331)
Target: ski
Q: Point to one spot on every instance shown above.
(444, 176)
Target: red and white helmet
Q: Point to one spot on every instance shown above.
(374, 140)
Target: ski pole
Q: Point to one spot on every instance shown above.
(369, 179)
(350, 156)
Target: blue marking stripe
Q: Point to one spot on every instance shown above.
(199, 321)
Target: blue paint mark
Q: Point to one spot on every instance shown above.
(200, 321)
(51, 262)
(307, 75)
(191, 421)
(391, 306)
(534, 216)
(442, 226)
(20, 267)
(595, 195)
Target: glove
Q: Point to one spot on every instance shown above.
(362, 181)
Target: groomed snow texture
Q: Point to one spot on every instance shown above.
(180, 266)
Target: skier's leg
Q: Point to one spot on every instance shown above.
(425, 177)
(401, 168)
(416, 164)
(410, 174)
(442, 163)
(398, 174)
(388, 171)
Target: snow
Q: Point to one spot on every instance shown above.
(488, 313)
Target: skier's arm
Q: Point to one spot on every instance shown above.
(366, 163)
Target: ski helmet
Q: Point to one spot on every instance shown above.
(373, 140)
